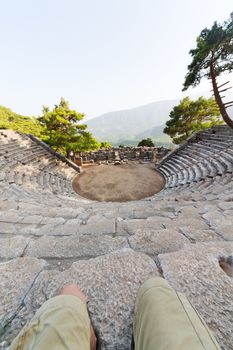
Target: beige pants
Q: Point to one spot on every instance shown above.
(62, 323)
(164, 320)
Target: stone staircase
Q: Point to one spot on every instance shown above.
(29, 165)
(50, 236)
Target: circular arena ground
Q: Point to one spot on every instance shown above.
(118, 183)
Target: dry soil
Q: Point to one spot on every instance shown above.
(118, 183)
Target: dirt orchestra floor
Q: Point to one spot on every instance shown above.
(118, 183)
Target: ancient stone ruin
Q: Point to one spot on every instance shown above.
(120, 154)
(50, 236)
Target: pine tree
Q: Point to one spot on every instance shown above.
(190, 116)
(63, 130)
(212, 57)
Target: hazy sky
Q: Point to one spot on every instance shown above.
(101, 55)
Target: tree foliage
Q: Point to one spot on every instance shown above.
(63, 130)
(190, 116)
(146, 143)
(213, 56)
(105, 144)
(19, 123)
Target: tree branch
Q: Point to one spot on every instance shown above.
(223, 84)
(226, 89)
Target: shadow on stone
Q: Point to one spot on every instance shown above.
(227, 265)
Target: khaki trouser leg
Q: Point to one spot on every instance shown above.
(165, 320)
(62, 323)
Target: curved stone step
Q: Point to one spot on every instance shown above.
(110, 281)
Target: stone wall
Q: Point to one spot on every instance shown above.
(125, 153)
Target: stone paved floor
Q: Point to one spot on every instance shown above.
(48, 239)
(109, 249)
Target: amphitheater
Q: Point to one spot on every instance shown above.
(51, 236)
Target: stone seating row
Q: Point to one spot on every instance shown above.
(218, 187)
(179, 234)
(200, 158)
(27, 164)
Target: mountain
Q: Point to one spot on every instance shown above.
(152, 132)
(131, 124)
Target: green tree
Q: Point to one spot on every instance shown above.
(13, 121)
(63, 131)
(105, 144)
(86, 142)
(121, 146)
(146, 143)
(190, 116)
(213, 56)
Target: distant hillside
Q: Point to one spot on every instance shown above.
(126, 127)
(17, 122)
(152, 132)
(129, 124)
(155, 133)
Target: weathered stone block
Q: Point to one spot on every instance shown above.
(97, 225)
(195, 235)
(195, 270)
(157, 241)
(17, 277)
(125, 227)
(6, 227)
(188, 222)
(74, 247)
(111, 283)
(12, 247)
(10, 216)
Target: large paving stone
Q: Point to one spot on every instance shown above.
(190, 212)
(69, 213)
(126, 212)
(214, 217)
(111, 283)
(75, 246)
(6, 227)
(66, 229)
(54, 221)
(32, 209)
(157, 241)
(17, 277)
(10, 216)
(98, 224)
(12, 247)
(26, 229)
(221, 223)
(8, 205)
(32, 219)
(131, 226)
(195, 235)
(195, 270)
(225, 230)
(144, 213)
(225, 205)
(188, 221)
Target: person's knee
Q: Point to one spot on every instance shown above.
(151, 287)
(153, 283)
